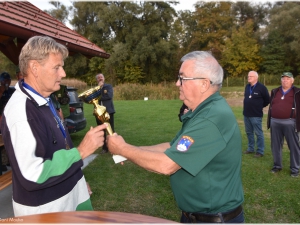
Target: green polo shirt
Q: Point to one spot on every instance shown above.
(208, 148)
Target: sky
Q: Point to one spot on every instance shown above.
(43, 4)
(183, 4)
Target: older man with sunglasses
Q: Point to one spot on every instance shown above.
(204, 158)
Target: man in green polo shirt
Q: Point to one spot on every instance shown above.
(204, 158)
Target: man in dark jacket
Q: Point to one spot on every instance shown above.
(256, 97)
(183, 110)
(106, 100)
(5, 93)
(284, 121)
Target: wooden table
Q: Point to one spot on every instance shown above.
(1, 147)
(87, 217)
(5, 180)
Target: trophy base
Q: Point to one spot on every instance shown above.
(118, 158)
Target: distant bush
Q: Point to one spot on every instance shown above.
(168, 90)
(161, 91)
(80, 85)
(263, 78)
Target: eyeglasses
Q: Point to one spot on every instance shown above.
(180, 78)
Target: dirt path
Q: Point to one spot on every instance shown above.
(235, 101)
(238, 101)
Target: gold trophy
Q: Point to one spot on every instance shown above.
(92, 96)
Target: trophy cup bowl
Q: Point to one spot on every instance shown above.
(92, 96)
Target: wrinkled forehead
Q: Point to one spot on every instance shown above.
(187, 67)
(252, 74)
(287, 77)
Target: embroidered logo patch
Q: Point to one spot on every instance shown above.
(184, 143)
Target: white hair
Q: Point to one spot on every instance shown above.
(206, 64)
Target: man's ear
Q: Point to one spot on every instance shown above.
(33, 67)
(204, 86)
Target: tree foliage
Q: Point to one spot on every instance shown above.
(146, 39)
(60, 12)
(241, 53)
(137, 35)
(213, 25)
(7, 66)
(244, 11)
(285, 19)
(273, 54)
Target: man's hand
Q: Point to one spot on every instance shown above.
(185, 111)
(114, 143)
(93, 139)
(101, 83)
(89, 188)
(2, 88)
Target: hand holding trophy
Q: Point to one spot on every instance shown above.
(92, 96)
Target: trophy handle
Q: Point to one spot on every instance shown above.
(101, 114)
(109, 129)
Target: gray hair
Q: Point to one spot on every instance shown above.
(254, 72)
(99, 75)
(38, 48)
(206, 64)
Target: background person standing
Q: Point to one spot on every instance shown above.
(183, 110)
(5, 93)
(107, 94)
(284, 122)
(19, 75)
(256, 97)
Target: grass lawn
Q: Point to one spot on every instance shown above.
(269, 198)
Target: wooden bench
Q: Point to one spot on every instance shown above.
(1, 147)
(5, 180)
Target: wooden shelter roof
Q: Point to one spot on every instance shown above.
(20, 20)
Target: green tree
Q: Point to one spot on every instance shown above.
(214, 23)
(183, 28)
(76, 66)
(241, 51)
(135, 34)
(7, 66)
(285, 19)
(181, 36)
(258, 13)
(273, 54)
(132, 74)
(85, 17)
(60, 12)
